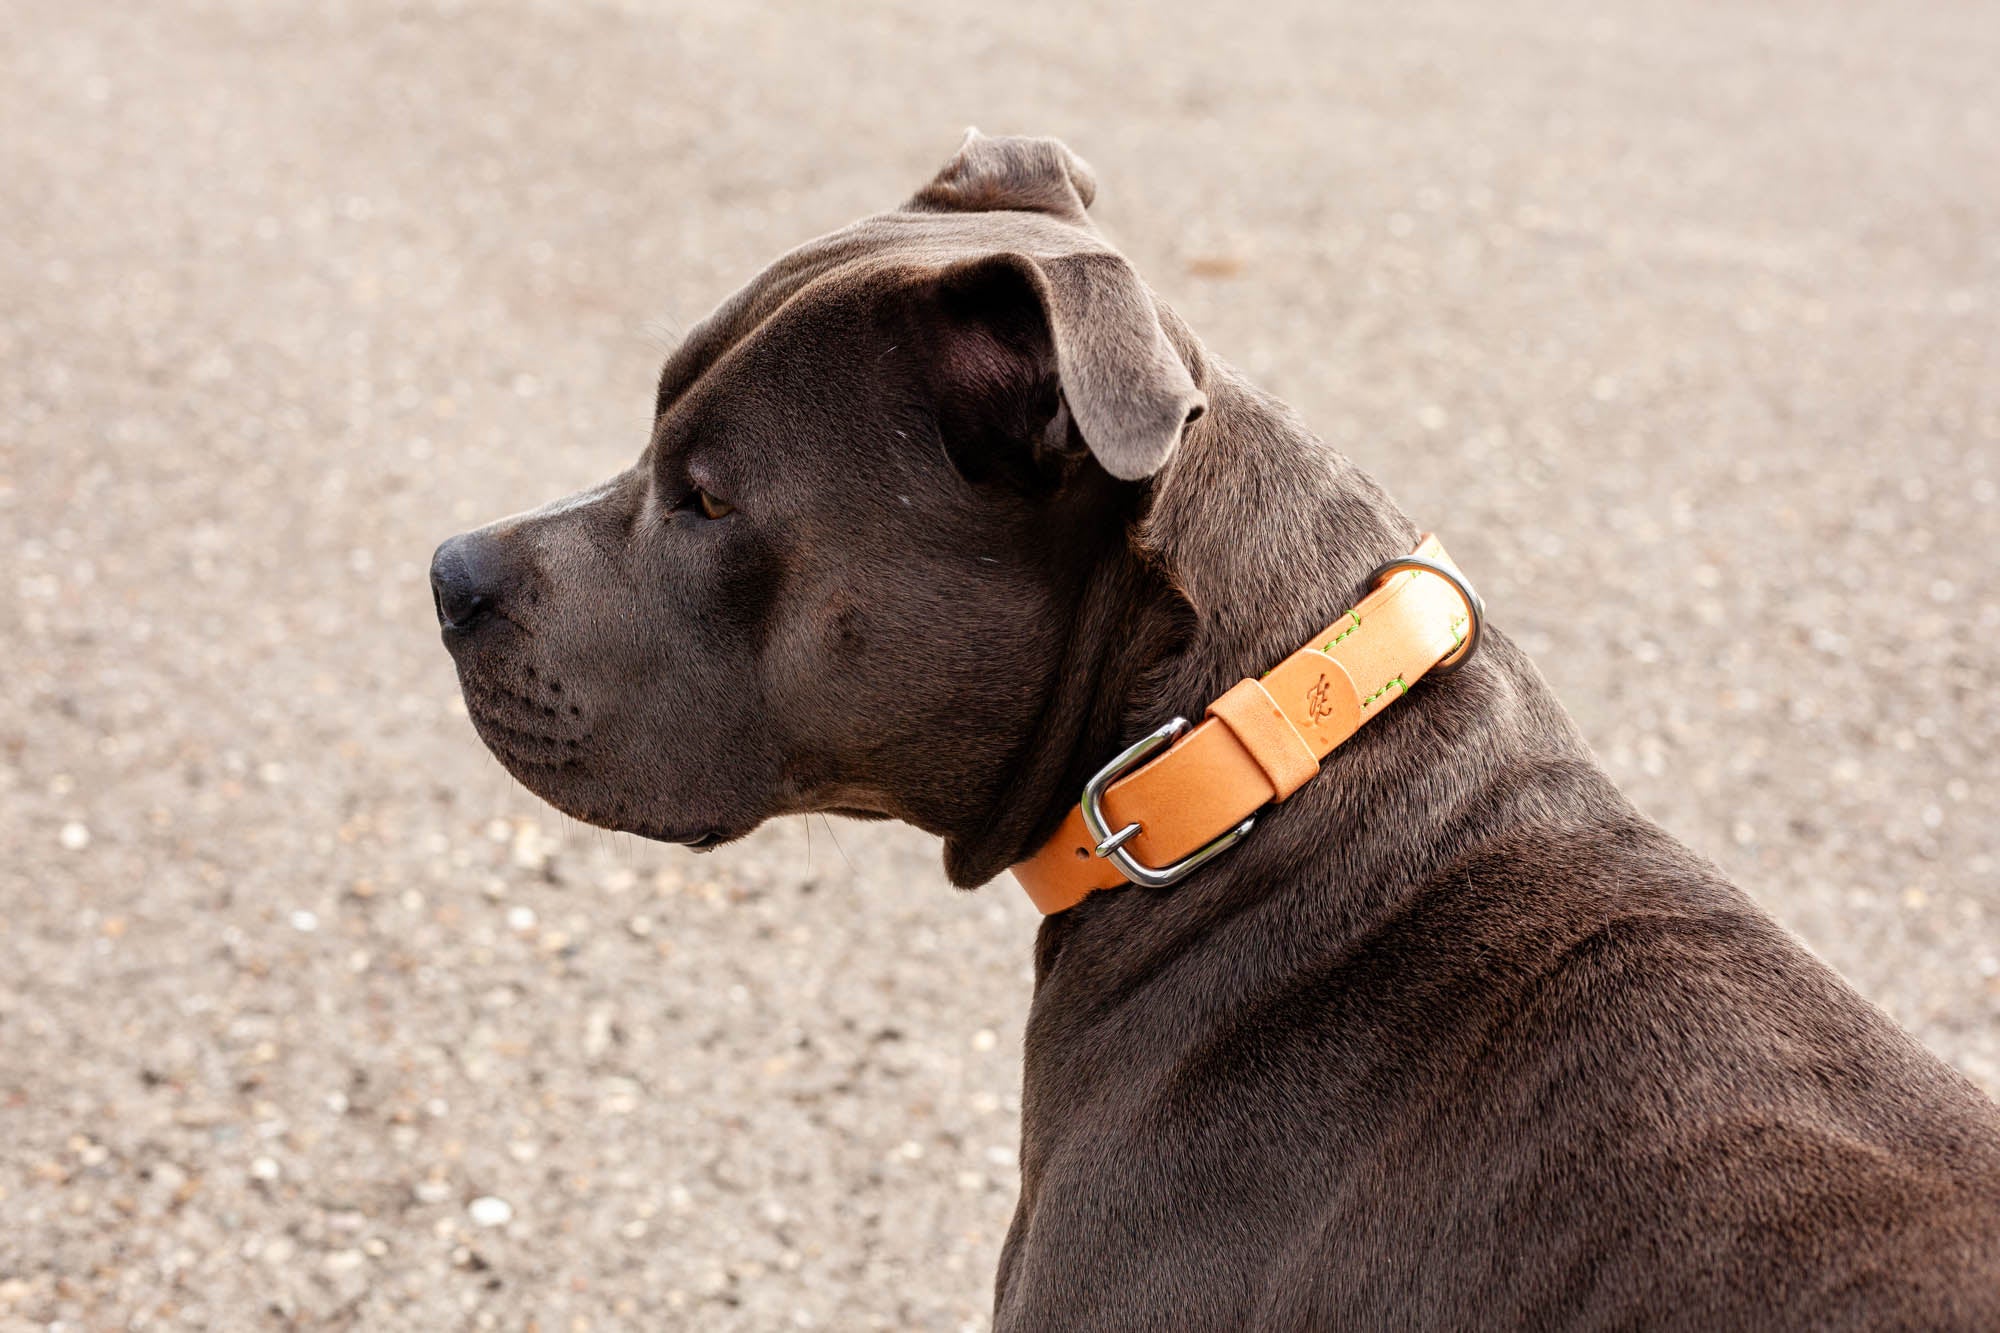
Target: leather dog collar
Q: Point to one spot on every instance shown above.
(1150, 818)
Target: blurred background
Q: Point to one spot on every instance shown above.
(1678, 321)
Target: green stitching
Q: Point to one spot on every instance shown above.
(1344, 633)
(1404, 574)
(1397, 682)
(1458, 626)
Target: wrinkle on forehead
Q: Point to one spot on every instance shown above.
(886, 241)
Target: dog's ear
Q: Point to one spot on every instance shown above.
(1031, 347)
(1022, 175)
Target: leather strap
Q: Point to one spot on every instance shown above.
(1263, 739)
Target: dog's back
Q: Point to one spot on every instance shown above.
(1663, 1113)
(1574, 1081)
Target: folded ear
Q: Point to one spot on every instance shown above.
(1026, 338)
(991, 175)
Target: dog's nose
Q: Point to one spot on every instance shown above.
(465, 581)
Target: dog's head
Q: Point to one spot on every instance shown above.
(843, 573)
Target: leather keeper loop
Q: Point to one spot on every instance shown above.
(1255, 719)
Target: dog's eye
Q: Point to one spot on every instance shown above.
(710, 506)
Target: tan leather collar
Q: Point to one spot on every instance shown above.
(1261, 741)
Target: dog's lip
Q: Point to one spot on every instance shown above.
(700, 837)
(698, 840)
(707, 840)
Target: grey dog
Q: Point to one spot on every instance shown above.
(944, 509)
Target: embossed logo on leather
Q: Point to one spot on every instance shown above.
(1319, 699)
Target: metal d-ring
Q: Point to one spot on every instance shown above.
(1475, 609)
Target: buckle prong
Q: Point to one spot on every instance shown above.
(1111, 845)
(1116, 840)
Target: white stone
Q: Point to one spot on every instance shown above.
(490, 1211)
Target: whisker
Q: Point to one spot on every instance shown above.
(836, 841)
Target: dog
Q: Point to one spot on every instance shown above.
(941, 513)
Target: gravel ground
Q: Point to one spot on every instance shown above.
(1680, 322)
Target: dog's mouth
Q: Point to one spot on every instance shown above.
(543, 747)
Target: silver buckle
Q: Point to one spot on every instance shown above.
(1111, 845)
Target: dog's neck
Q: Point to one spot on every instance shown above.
(1257, 536)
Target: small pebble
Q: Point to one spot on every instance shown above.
(531, 849)
(74, 837)
(490, 1211)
